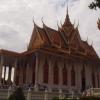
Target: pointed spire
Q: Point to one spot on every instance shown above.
(42, 20)
(67, 15)
(92, 43)
(74, 23)
(87, 39)
(33, 19)
(67, 11)
(67, 19)
(77, 27)
(58, 25)
(61, 23)
(34, 22)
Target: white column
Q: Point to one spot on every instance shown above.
(45, 94)
(4, 74)
(15, 69)
(36, 72)
(29, 94)
(1, 66)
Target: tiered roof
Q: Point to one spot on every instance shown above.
(65, 39)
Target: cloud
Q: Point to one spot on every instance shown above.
(16, 20)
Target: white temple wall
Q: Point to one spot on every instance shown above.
(78, 66)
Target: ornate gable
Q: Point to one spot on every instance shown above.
(37, 40)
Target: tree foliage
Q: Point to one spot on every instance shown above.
(17, 95)
(95, 4)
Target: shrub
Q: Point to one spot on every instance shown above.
(89, 98)
(17, 95)
(55, 98)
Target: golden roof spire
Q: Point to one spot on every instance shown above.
(58, 25)
(34, 22)
(74, 23)
(67, 15)
(92, 43)
(67, 10)
(67, 21)
(77, 25)
(87, 39)
(42, 20)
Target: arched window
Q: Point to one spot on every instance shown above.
(72, 77)
(93, 79)
(64, 74)
(56, 74)
(83, 81)
(45, 72)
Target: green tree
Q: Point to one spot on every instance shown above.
(17, 95)
(95, 4)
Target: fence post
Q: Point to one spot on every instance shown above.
(29, 94)
(9, 91)
(72, 94)
(46, 94)
(60, 94)
(35, 87)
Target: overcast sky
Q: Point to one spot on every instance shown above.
(16, 18)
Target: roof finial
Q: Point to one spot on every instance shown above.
(42, 20)
(67, 8)
(33, 20)
(87, 39)
(92, 43)
(78, 24)
(61, 23)
(57, 24)
(74, 23)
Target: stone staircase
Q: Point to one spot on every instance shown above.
(33, 95)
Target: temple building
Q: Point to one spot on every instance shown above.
(55, 59)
